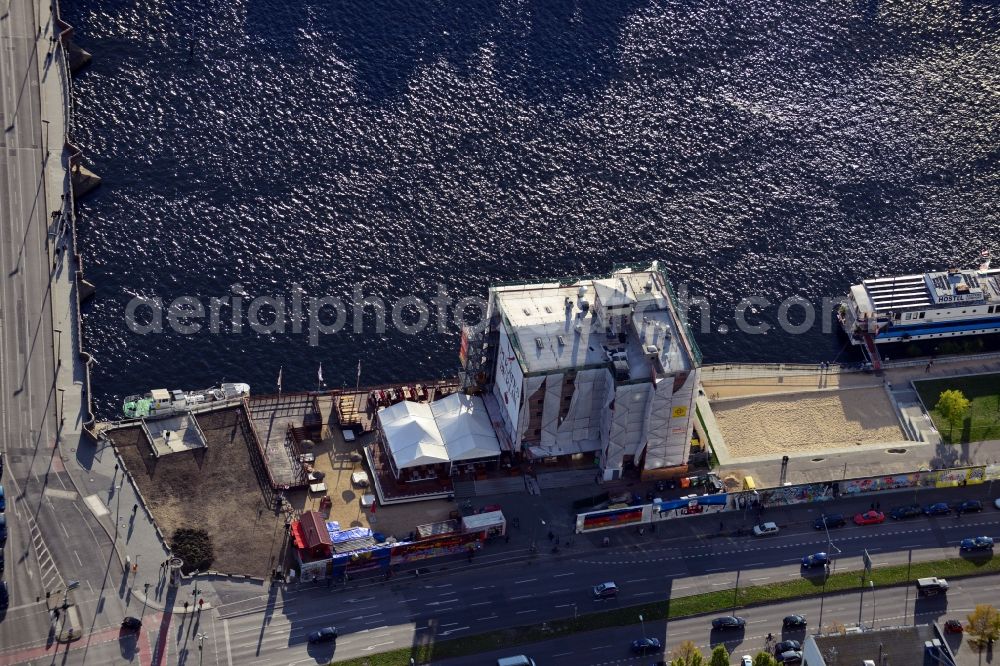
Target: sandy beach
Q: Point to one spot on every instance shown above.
(808, 421)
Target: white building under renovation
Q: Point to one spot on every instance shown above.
(601, 367)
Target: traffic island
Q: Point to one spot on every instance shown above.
(843, 582)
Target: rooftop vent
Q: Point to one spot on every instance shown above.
(649, 284)
(548, 309)
(526, 311)
(562, 340)
(539, 343)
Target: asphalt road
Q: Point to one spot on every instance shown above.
(887, 607)
(51, 531)
(468, 599)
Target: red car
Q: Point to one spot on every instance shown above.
(953, 627)
(869, 518)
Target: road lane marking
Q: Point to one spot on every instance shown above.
(564, 574)
(526, 611)
(61, 494)
(527, 596)
(713, 570)
(635, 580)
(229, 650)
(481, 603)
(372, 647)
(600, 647)
(562, 654)
(529, 580)
(96, 505)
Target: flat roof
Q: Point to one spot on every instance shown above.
(554, 327)
(933, 289)
(901, 645)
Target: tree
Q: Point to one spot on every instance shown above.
(984, 626)
(194, 547)
(765, 659)
(953, 406)
(720, 656)
(686, 654)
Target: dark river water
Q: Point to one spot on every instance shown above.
(397, 147)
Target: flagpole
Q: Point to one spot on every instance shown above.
(280, 369)
(319, 378)
(357, 384)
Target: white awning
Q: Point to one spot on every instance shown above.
(411, 435)
(465, 427)
(453, 429)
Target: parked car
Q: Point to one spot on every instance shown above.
(937, 509)
(646, 645)
(324, 635)
(4, 594)
(869, 518)
(785, 646)
(996, 503)
(969, 506)
(977, 543)
(790, 657)
(815, 560)
(908, 511)
(746, 660)
(605, 590)
(728, 622)
(765, 529)
(832, 520)
(3, 530)
(953, 627)
(132, 623)
(793, 622)
(3, 500)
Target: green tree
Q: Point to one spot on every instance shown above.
(984, 626)
(953, 406)
(765, 659)
(686, 654)
(720, 656)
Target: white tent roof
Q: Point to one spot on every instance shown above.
(411, 434)
(465, 427)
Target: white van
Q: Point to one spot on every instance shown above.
(519, 660)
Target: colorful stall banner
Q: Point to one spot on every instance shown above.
(612, 518)
(991, 472)
(449, 544)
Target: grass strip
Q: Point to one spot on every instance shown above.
(678, 607)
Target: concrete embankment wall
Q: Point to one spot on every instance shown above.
(77, 182)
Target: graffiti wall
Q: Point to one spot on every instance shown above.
(810, 492)
(877, 484)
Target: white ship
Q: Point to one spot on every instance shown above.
(941, 304)
(161, 402)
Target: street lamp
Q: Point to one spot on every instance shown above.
(643, 624)
(871, 584)
(534, 535)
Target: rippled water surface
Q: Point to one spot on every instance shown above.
(771, 148)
